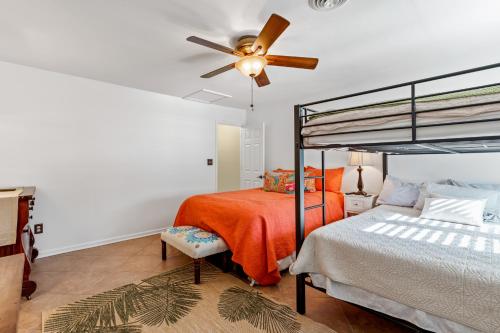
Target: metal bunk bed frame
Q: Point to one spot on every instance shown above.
(414, 146)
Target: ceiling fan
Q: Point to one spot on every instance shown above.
(252, 51)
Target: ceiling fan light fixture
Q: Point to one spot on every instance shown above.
(251, 66)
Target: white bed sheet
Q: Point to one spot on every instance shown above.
(284, 263)
(446, 270)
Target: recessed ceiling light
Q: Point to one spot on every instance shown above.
(206, 96)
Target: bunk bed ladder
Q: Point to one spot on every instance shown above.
(322, 205)
(323, 183)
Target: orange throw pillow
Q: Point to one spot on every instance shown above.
(333, 179)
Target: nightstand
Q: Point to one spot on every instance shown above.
(356, 204)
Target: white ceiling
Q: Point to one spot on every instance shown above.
(142, 43)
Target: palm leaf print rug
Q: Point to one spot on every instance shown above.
(171, 302)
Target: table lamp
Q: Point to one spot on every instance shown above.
(360, 159)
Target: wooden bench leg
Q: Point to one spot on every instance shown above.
(163, 250)
(197, 263)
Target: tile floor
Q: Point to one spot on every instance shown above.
(69, 277)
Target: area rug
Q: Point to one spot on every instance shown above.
(171, 302)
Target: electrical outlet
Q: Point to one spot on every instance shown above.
(38, 228)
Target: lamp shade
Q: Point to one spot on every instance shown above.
(358, 158)
(251, 65)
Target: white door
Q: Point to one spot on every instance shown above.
(252, 157)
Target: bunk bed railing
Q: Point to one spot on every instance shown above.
(307, 113)
(316, 113)
(406, 84)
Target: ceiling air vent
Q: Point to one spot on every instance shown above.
(206, 96)
(324, 5)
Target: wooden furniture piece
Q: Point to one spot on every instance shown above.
(355, 204)
(194, 242)
(11, 272)
(24, 239)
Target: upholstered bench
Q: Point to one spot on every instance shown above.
(194, 242)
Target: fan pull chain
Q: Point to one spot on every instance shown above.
(251, 93)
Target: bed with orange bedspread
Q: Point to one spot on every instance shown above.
(258, 226)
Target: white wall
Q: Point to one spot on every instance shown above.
(477, 168)
(108, 161)
(228, 158)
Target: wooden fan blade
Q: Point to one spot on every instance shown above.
(271, 31)
(212, 45)
(296, 62)
(262, 79)
(218, 71)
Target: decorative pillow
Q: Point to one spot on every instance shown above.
(455, 210)
(276, 182)
(309, 184)
(398, 192)
(333, 178)
(461, 193)
(490, 215)
(283, 182)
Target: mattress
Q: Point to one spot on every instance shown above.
(349, 121)
(447, 270)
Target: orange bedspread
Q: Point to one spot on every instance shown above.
(258, 226)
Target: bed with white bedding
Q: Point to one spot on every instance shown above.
(471, 105)
(441, 276)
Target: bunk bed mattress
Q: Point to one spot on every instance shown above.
(350, 121)
(448, 270)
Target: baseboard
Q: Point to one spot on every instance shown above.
(106, 241)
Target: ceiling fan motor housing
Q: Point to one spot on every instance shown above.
(324, 5)
(245, 43)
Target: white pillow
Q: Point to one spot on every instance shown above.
(455, 210)
(491, 214)
(398, 192)
(425, 194)
(458, 192)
